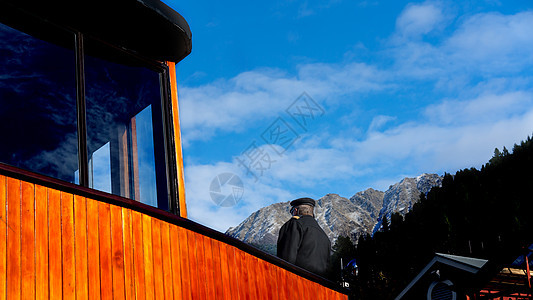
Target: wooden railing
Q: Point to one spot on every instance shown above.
(59, 244)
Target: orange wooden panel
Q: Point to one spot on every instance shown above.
(177, 138)
(193, 264)
(106, 267)
(93, 250)
(138, 254)
(201, 266)
(168, 261)
(307, 285)
(117, 251)
(283, 287)
(273, 277)
(221, 279)
(175, 257)
(252, 275)
(209, 268)
(244, 282)
(28, 241)
(67, 245)
(259, 277)
(233, 272)
(270, 280)
(129, 277)
(299, 283)
(148, 256)
(294, 289)
(311, 288)
(158, 259)
(41, 242)
(80, 246)
(13, 239)
(54, 240)
(224, 281)
(3, 237)
(185, 272)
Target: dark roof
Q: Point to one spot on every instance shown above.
(147, 27)
(451, 266)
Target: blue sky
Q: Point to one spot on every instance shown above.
(317, 97)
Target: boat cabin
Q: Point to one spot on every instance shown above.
(92, 196)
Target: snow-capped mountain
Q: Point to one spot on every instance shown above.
(401, 196)
(360, 214)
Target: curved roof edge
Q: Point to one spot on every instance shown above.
(147, 27)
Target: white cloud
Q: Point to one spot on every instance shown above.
(483, 109)
(231, 105)
(500, 41)
(420, 19)
(379, 121)
(481, 45)
(201, 208)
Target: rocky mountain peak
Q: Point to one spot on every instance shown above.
(360, 214)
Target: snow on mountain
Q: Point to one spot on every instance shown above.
(361, 214)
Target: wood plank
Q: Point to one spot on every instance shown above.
(175, 257)
(234, 272)
(307, 286)
(224, 283)
(273, 277)
(117, 251)
(201, 266)
(291, 284)
(54, 240)
(283, 284)
(244, 282)
(168, 282)
(310, 288)
(93, 249)
(106, 266)
(185, 269)
(299, 283)
(41, 242)
(177, 138)
(138, 254)
(270, 281)
(209, 269)
(13, 239)
(148, 256)
(3, 237)
(158, 259)
(261, 278)
(129, 276)
(67, 246)
(28, 241)
(80, 246)
(252, 275)
(193, 264)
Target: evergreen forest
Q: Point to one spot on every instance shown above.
(485, 213)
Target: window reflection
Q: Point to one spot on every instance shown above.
(124, 129)
(38, 104)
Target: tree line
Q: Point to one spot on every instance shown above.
(485, 213)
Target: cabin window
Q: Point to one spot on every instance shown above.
(38, 129)
(124, 127)
(118, 100)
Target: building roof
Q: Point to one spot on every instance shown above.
(450, 265)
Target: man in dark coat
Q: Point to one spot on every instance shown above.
(301, 241)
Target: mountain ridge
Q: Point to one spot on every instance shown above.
(361, 214)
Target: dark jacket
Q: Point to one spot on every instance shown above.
(302, 242)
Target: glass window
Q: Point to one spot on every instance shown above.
(125, 142)
(38, 103)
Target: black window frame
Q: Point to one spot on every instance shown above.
(166, 108)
